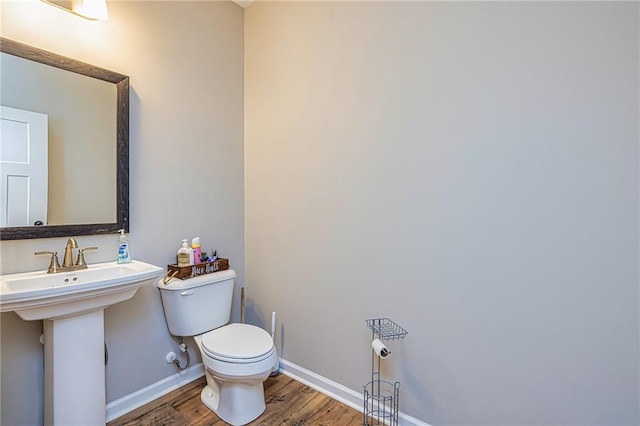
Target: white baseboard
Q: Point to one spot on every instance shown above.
(143, 396)
(334, 390)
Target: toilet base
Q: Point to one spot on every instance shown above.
(237, 403)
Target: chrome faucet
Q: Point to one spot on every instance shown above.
(67, 263)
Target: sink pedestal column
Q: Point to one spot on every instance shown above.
(74, 376)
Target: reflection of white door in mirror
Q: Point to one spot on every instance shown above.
(23, 166)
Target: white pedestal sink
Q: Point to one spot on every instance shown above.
(71, 304)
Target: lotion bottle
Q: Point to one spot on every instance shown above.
(124, 255)
(195, 245)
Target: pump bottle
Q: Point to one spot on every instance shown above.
(185, 254)
(124, 255)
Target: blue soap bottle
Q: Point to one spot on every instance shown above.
(124, 255)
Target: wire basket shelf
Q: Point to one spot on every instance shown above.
(386, 329)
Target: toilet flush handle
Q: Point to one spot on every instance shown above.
(186, 293)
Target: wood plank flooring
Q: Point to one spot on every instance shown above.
(289, 403)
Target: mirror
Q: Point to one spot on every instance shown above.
(83, 197)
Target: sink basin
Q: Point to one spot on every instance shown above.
(39, 296)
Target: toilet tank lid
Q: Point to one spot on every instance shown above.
(175, 284)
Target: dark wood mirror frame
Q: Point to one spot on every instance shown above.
(122, 145)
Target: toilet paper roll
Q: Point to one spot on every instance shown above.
(380, 349)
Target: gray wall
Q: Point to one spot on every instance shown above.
(469, 170)
(185, 61)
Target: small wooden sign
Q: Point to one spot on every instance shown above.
(191, 271)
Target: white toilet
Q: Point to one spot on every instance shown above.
(238, 358)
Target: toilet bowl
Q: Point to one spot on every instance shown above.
(238, 358)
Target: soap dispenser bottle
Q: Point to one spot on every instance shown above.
(185, 254)
(124, 255)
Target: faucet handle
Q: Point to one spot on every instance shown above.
(54, 265)
(80, 261)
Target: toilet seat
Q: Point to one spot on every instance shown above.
(242, 360)
(238, 344)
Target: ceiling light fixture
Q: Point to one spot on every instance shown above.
(89, 9)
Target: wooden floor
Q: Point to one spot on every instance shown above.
(288, 403)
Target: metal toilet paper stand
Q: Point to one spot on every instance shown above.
(381, 397)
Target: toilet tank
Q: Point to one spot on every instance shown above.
(197, 305)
